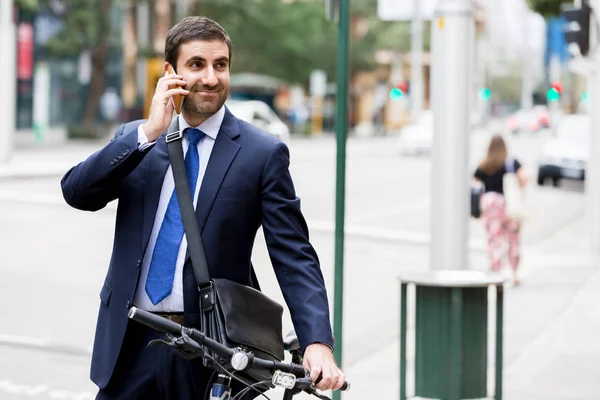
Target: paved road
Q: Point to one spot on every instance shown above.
(55, 258)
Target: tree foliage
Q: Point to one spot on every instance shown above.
(547, 8)
(28, 5)
(282, 39)
(289, 40)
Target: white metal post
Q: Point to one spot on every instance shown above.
(8, 88)
(592, 173)
(451, 64)
(526, 67)
(416, 64)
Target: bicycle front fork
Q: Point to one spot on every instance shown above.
(221, 388)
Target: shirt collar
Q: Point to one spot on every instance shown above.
(210, 127)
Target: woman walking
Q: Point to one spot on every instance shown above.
(500, 229)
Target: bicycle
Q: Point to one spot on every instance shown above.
(293, 377)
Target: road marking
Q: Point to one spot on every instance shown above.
(7, 386)
(43, 344)
(394, 211)
(377, 233)
(31, 198)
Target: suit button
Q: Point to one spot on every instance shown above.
(128, 305)
(138, 263)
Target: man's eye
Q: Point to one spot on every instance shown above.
(221, 65)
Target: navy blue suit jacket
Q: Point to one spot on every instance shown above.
(247, 184)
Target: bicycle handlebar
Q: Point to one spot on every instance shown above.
(167, 326)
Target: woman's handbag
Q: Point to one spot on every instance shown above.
(514, 195)
(233, 314)
(477, 191)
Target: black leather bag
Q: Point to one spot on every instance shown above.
(233, 314)
(477, 191)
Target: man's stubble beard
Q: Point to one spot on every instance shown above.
(197, 109)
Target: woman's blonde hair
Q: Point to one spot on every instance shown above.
(496, 155)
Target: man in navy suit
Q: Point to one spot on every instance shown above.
(240, 181)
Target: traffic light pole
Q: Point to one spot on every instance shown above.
(341, 129)
(452, 39)
(8, 88)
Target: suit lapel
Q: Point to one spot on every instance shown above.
(155, 174)
(221, 157)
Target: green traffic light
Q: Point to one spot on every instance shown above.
(396, 94)
(552, 95)
(585, 97)
(485, 94)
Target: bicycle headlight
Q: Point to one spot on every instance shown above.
(239, 361)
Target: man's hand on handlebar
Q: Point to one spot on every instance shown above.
(189, 342)
(319, 360)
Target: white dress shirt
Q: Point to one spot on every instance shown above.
(174, 301)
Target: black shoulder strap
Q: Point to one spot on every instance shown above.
(186, 206)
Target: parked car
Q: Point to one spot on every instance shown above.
(565, 156)
(259, 114)
(417, 137)
(523, 121)
(543, 115)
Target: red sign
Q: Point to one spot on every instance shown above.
(25, 51)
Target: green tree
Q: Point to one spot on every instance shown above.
(86, 27)
(547, 8)
(282, 40)
(289, 40)
(28, 5)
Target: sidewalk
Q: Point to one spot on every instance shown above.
(558, 359)
(50, 158)
(562, 363)
(552, 325)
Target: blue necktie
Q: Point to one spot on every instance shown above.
(162, 267)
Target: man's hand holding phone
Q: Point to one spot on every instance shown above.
(162, 107)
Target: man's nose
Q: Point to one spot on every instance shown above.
(209, 78)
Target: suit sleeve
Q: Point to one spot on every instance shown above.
(95, 182)
(294, 259)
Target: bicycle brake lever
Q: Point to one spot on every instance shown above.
(307, 385)
(312, 391)
(169, 342)
(187, 347)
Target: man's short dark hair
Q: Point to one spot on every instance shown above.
(190, 29)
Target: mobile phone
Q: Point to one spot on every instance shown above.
(178, 98)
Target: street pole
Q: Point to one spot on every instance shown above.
(452, 38)
(554, 74)
(526, 78)
(341, 129)
(8, 88)
(592, 173)
(416, 64)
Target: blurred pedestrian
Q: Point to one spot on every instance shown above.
(110, 105)
(501, 230)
